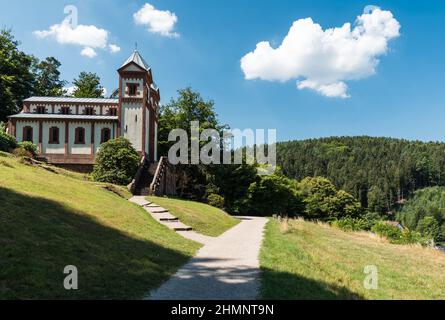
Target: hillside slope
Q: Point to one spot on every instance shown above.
(304, 260)
(201, 217)
(50, 220)
(377, 171)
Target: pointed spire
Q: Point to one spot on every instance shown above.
(137, 59)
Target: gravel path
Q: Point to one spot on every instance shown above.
(225, 268)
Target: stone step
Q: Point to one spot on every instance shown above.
(140, 201)
(163, 216)
(179, 226)
(147, 204)
(169, 219)
(157, 210)
(160, 214)
(152, 205)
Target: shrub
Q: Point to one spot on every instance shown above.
(29, 146)
(370, 219)
(430, 228)
(385, 230)
(215, 200)
(7, 142)
(413, 237)
(350, 224)
(116, 162)
(323, 200)
(398, 236)
(273, 194)
(22, 153)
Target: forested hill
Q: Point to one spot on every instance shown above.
(378, 171)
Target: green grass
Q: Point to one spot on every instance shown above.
(201, 217)
(304, 260)
(50, 219)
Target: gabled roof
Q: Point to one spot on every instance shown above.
(72, 100)
(138, 60)
(50, 116)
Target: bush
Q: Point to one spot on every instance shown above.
(215, 200)
(351, 224)
(273, 195)
(385, 230)
(22, 153)
(29, 146)
(366, 222)
(430, 228)
(116, 162)
(7, 142)
(322, 200)
(398, 236)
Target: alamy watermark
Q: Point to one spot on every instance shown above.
(71, 280)
(72, 16)
(236, 146)
(371, 281)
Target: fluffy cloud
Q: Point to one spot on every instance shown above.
(157, 21)
(114, 48)
(89, 37)
(322, 60)
(88, 52)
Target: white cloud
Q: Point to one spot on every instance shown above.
(322, 60)
(157, 21)
(89, 37)
(114, 48)
(88, 52)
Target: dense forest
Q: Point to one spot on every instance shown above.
(425, 213)
(380, 172)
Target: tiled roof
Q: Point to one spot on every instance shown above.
(72, 100)
(62, 116)
(136, 58)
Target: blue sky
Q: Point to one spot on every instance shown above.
(404, 98)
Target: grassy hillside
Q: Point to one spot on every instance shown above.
(50, 220)
(203, 218)
(303, 260)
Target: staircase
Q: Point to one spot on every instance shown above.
(164, 180)
(162, 215)
(154, 178)
(145, 179)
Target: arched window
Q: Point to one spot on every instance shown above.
(105, 135)
(27, 134)
(79, 136)
(54, 135)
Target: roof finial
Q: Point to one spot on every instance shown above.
(135, 46)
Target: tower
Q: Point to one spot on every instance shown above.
(138, 106)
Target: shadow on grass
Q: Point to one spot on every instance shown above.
(39, 237)
(286, 286)
(218, 279)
